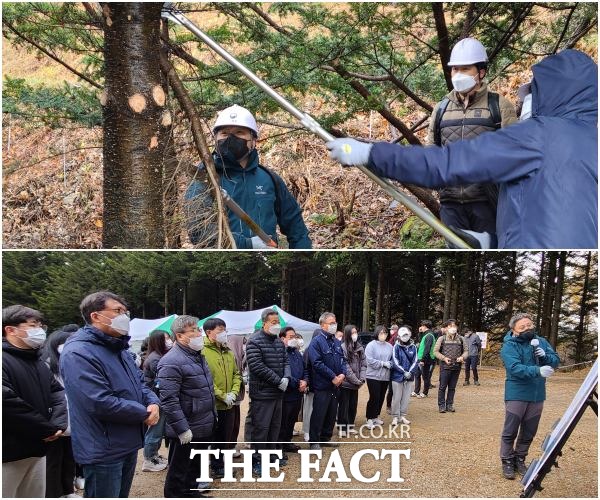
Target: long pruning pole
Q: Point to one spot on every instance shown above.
(170, 13)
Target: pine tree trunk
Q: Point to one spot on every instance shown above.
(184, 300)
(333, 291)
(166, 299)
(581, 330)
(558, 295)
(285, 286)
(366, 309)
(447, 295)
(133, 105)
(251, 297)
(512, 279)
(538, 320)
(549, 295)
(379, 294)
(481, 295)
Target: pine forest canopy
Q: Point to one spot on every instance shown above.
(345, 64)
(480, 289)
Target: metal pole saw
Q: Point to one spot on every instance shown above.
(170, 13)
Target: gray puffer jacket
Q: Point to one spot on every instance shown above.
(356, 369)
(186, 392)
(267, 361)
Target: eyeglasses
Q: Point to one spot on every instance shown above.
(193, 329)
(35, 325)
(119, 310)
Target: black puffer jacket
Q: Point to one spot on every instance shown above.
(186, 392)
(267, 365)
(33, 404)
(150, 369)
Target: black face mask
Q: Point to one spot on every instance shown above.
(232, 148)
(527, 335)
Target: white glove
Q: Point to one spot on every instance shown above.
(349, 152)
(283, 384)
(230, 398)
(546, 371)
(387, 364)
(407, 375)
(539, 352)
(245, 378)
(186, 437)
(258, 243)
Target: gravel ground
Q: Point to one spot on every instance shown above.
(452, 455)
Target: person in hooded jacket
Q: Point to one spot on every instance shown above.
(259, 191)
(356, 376)
(546, 165)
(34, 410)
(187, 396)
(528, 360)
(405, 367)
(108, 400)
(379, 365)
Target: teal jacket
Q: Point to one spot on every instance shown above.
(262, 195)
(523, 379)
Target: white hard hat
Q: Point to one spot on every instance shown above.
(236, 115)
(466, 52)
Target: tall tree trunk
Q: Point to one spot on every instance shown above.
(538, 321)
(379, 293)
(558, 294)
(166, 299)
(251, 296)
(581, 330)
(285, 286)
(133, 106)
(366, 309)
(333, 291)
(512, 290)
(184, 300)
(549, 294)
(447, 294)
(481, 294)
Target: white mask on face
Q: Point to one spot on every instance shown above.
(196, 343)
(300, 343)
(452, 330)
(332, 329)
(293, 343)
(119, 323)
(354, 337)
(222, 338)
(59, 349)
(526, 109)
(463, 83)
(168, 343)
(405, 337)
(35, 337)
(274, 330)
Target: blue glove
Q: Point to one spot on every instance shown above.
(349, 152)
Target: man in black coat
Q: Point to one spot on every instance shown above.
(269, 372)
(33, 404)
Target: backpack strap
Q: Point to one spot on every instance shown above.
(494, 107)
(437, 132)
(277, 192)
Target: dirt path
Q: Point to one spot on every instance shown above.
(452, 455)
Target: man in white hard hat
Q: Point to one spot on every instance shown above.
(469, 110)
(259, 191)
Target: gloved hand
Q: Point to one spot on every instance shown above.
(258, 243)
(539, 352)
(387, 364)
(546, 371)
(407, 375)
(283, 384)
(349, 152)
(245, 378)
(186, 437)
(230, 398)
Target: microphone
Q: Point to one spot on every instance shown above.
(535, 344)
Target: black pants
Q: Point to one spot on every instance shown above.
(377, 389)
(60, 468)
(322, 420)
(479, 216)
(448, 380)
(183, 470)
(348, 403)
(289, 417)
(266, 423)
(471, 362)
(425, 377)
(226, 431)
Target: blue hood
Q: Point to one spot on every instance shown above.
(566, 85)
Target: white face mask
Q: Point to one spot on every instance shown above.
(463, 83)
(196, 343)
(293, 343)
(300, 343)
(119, 323)
(452, 330)
(35, 337)
(354, 337)
(332, 328)
(168, 343)
(526, 109)
(222, 338)
(59, 349)
(274, 329)
(405, 337)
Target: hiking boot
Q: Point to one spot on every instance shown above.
(520, 464)
(421, 395)
(413, 394)
(395, 421)
(153, 465)
(370, 424)
(466, 382)
(450, 408)
(292, 448)
(477, 382)
(442, 409)
(315, 446)
(161, 459)
(508, 468)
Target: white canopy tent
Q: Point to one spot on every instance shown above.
(139, 329)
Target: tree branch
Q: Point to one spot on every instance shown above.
(564, 31)
(443, 40)
(519, 19)
(51, 56)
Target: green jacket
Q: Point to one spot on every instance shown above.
(223, 368)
